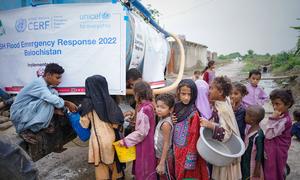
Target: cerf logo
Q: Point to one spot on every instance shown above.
(21, 25)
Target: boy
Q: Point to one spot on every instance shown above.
(197, 75)
(133, 75)
(253, 157)
(256, 95)
(296, 126)
(34, 106)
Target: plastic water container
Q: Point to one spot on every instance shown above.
(125, 154)
(219, 153)
(83, 133)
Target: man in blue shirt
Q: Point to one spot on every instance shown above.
(34, 106)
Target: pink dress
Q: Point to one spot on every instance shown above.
(277, 143)
(255, 96)
(143, 137)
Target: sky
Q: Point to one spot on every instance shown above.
(227, 26)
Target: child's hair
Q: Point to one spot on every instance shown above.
(240, 87)
(285, 96)
(188, 83)
(296, 115)
(223, 83)
(209, 64)
(168, 99)
(255, 72)
(143, 91)
(133, 74)
(256, 111)
(53, 68)
(197, 72)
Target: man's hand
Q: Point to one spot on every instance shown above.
(71, 106)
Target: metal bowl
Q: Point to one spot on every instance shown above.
(219, 153)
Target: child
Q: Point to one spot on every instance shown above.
(209, 72)
(223, 125)
(278, 134)
(254, 141)
(188, 163)
(100, 112)
(256, 95)
(196, 75)
(163, 136)
(143, 135)
(238, 92)
(296, 126)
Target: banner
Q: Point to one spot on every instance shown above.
(85, 39)
(150, 52)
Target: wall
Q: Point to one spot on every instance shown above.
(196, 55)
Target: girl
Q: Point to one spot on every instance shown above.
(143, 135)
(253, 157)
(188, 163)
(100, 112)
(256, 95)
(223, 125)
(209, 72)
(278, 134)
(238, 92)
(163, 136)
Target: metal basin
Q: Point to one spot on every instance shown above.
(219, 153)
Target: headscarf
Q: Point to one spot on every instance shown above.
(202, 102)
(225, 111)
(183, 111)
(98, 99)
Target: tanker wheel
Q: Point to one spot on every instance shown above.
(15, 164)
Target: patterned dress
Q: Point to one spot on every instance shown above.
(188, 163)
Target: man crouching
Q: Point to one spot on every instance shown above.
(34, 106)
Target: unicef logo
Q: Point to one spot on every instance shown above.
(106, 15)
(21, 25)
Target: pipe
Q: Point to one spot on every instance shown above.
(179, 76)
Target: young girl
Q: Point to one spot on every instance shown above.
(188, 163)
(256, 95)
(209, 72)
(278, 134)
(223, 125)
(253, 157)
(100, 112)
(143, 136)
(163, 136)
(238, 92)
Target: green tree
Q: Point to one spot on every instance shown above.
(297, 52)
(155, 14)
(250, 52)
